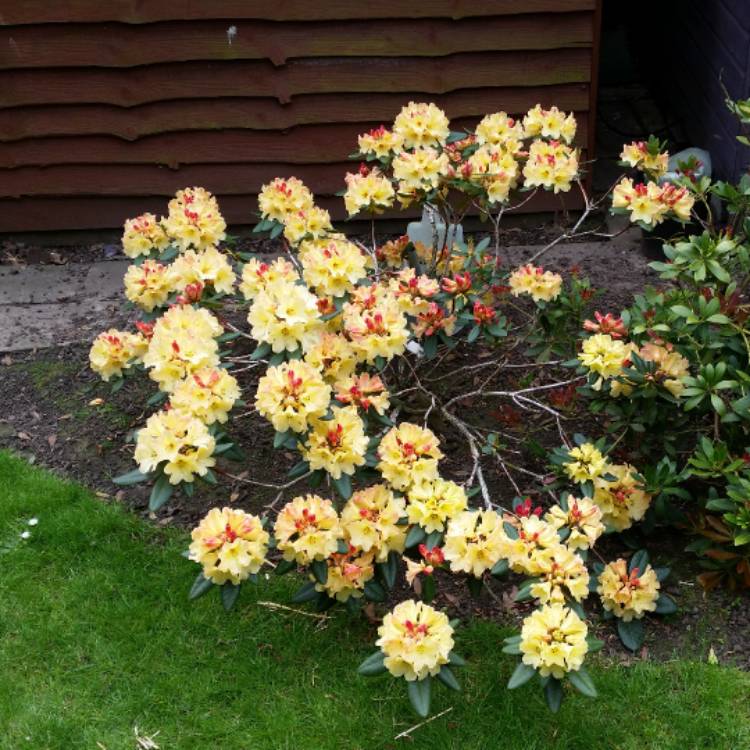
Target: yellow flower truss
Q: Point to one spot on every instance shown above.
(583, 519)
(552, 166)
(416, 639)
(672, 366)
(292, 394)
(114, 351)
(535, 540)
(379, 142)
(333, 355)
(348, 572)
(637, 155)
(285, 315)
(651, 203)
(337, 445)
(309, 223)
(370, 521)
(421, 124)
(628, 595)
(380, 331)
(553, 640)
(561, 572)
(142, 235)
(332, 266)
(307, 528)
(148, 285)
(409, 455)
(179, 441)
(498, 129)
(433, 502)
(604, 355)
(549, 123)
(194, 220)
(371, 192)
(257, 275)
(207, 394)
(495, 169)
(420, 170)
(541, 285)
(474, 541)
(209, 267)
(413, 292)
(183, 342)
(586, 463)
(282, 197)
(365, 391)
(230, 544)
(622, 501)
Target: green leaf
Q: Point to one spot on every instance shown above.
(553, 694)
(582, 682)
(718, 271)
(473, 334)
(229, 593)
(261, 351)
(500, 568)
(280, 438)
(415, 536)
(276, 231)
(455, 660)
(665, 605)
(372, 665)
(389, 569)
(285, 566)
(305, 593)
(434, 538)
(200, 586)
(448, 678)
(521, 675)
(375, 592)
(132, 477)
(160, 493)
(343, 486)
(419, 695)
(638, 560)
(319, 569)
(631, 634)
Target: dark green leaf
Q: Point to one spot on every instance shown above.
(448, 678)
(638, 560)
(415, 536)
(665, 605)
(319, 569)
(372, 665)
(375, 592)
(553, 694)
(229, 594)
(631, 634)
(389, 569)
(305, 593)
(200, 586)
(521, 675)
(419, 695)
(582, 682)
(343, 486)
(500, 568)
(132, 477)
(160, 493)
(455, 660)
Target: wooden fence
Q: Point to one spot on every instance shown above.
(107, 108)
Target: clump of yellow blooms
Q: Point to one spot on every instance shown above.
(370, 521)
(419, 125)
(604, 355)
(561, 572)
(178, 441)
(309, 223)
(209, 267)
(368, 190)
(333, 355)
(586, 463)
(194, 220)
(307, 528)
(416, 639)
(549, 123)
(379, 142)
(282, 197)
(230, 544)
(291, 395)
(539, 284)
(499, 129)
(142, 235)
(495, 169)
(333, 266)
(285, 316)
(621, 501)
(378, 331)
(365, 391)
(583, 518)
(553, 640)
(650, 203)
(114, 351)
(536, 539)
(628, 595)
(550, 165)
(413, 292)
(148, 285)
(183, 342)
(207, 394)
(337, 445)
(474, 541)
(672, 367)
(433, 502)
(348, 572)
(638, 155)
(419, 170)
(409, 455)
(257, 275)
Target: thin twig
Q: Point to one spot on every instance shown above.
(408, 731)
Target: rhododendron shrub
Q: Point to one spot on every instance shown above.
(355, 345)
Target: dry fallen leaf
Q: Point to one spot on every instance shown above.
(94, 402)
(52, 440)
(23, 436)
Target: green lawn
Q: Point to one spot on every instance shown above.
(97, 636)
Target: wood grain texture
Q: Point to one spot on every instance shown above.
(118, 45)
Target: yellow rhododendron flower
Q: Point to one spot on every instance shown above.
(370, 521)
(392, 252)
(114, 351)
(310, 223)
(628, 595)
(499, 129)
(604, 355)
(207, 394)
(474, 541)
(377, 332)
(413, 292)
(258, 275)
(365, 391)
(337, 445)
(379, 142)
(148, 285)
(551, 165)
(416, 640)
(282, 197)
(495, 169)
(368, 191)
(333, 266)
(208, 268)
(638, 156)
(587, 463)
(194, 220)
(285, 316)
(307, 528)
(535, 539)
(672, 367)
(419, 170)
(182, 343)
(621, 501)
(409, 455)
(553, 640)
(178, 440)
(142, 235)
(583, 519)
(561, 572)
(421, 124)
(549, 123)
(348, 572)
(541, 285)
(433, 502)
(230, 544)
(650, 203)
(333, 355)
(292, 394)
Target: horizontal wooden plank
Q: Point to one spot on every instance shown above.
(130, 87)
(306, 144)
(61, 214)
(122, 46)
(259, 114)
(137, 11)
